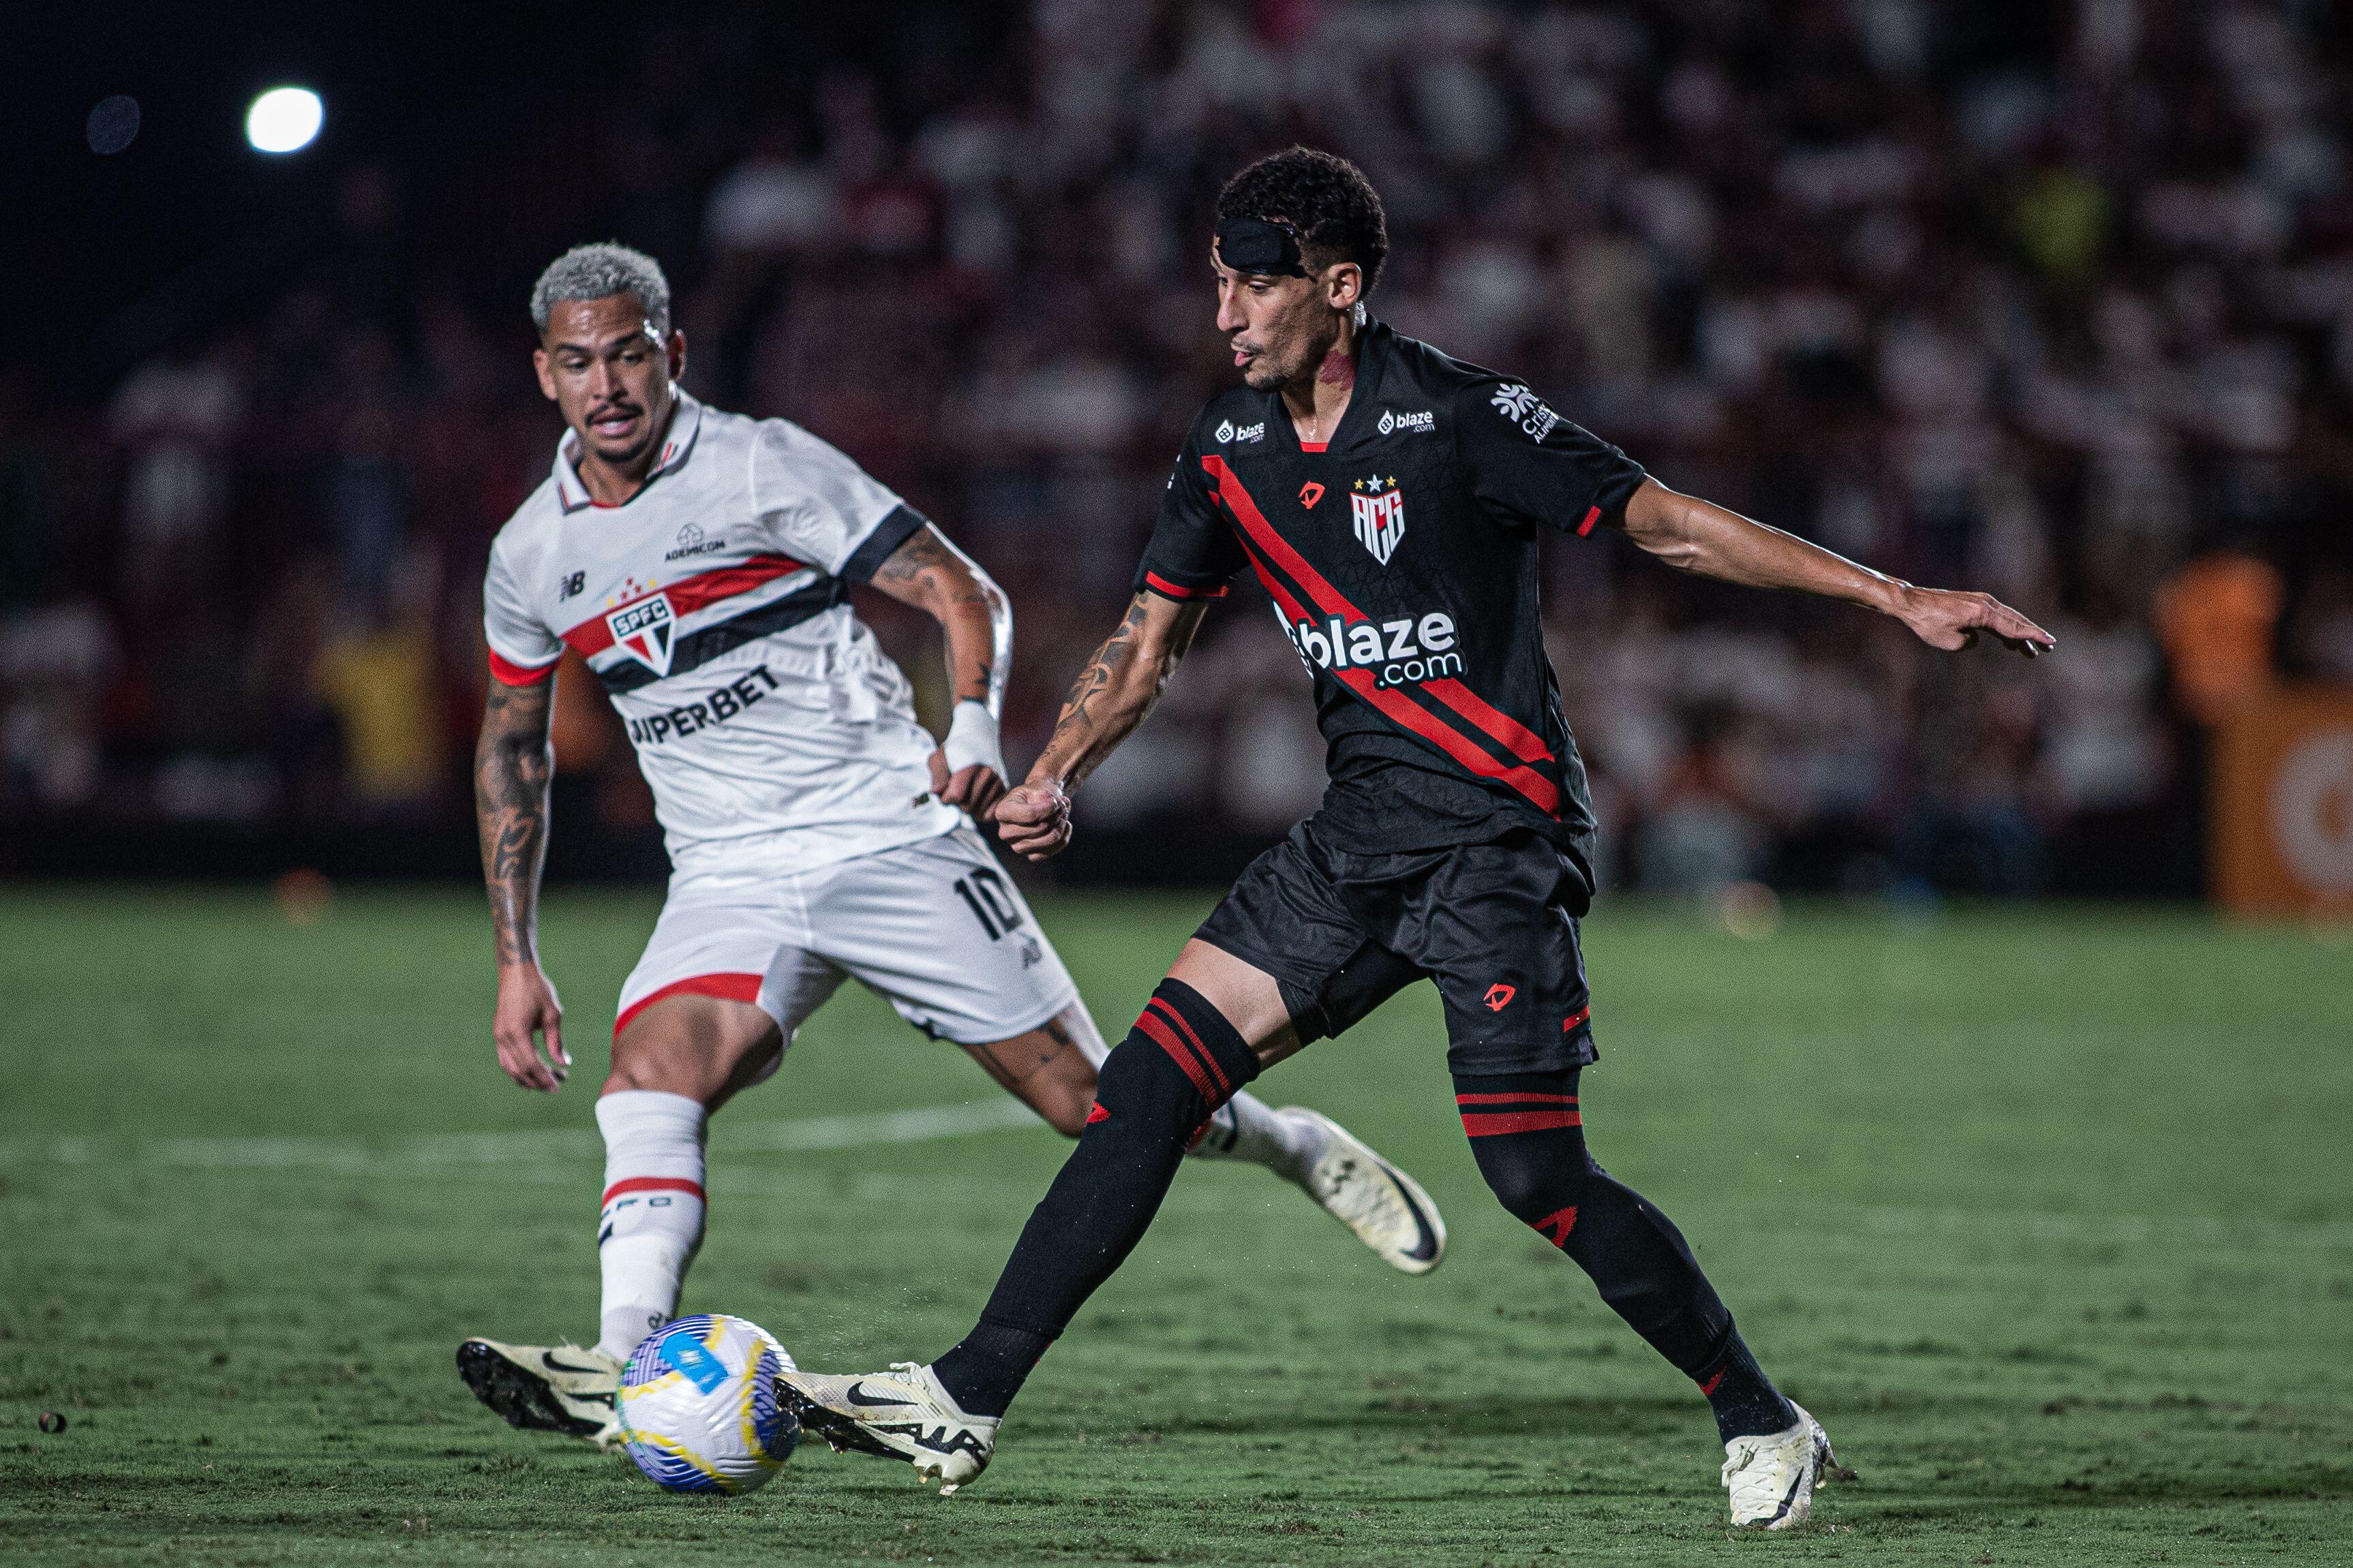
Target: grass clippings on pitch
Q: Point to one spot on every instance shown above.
(2046, 1213)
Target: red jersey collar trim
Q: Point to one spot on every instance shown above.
(678, 445)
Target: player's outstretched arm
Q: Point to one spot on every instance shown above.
(1693, 535)
(1109, 700)
(513, 762)
(976, 619)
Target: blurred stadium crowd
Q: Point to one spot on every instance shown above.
(2051, 301)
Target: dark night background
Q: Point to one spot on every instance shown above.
(2053, 301)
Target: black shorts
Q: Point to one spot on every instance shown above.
(1494, 924)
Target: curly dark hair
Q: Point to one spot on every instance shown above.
(1324, 198)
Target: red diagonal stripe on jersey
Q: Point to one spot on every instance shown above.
(1408, 714)
(1278, 549)
(1489, 1124)
(592, 635)
(1522, 740)
(1400, 710)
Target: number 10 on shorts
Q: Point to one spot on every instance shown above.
(985, 894)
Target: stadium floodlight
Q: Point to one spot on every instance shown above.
(284, 119)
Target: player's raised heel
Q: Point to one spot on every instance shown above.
(1386, 1209)
(545, 1388)
(902, 1413)
(1772, 1478)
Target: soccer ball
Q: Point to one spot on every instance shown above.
(698, 1406)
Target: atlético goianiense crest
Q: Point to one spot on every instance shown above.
(1379, 508)
(642, 628)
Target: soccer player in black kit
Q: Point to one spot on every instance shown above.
(1389, 499)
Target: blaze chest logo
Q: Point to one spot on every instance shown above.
(1378, 507)
(642, 629)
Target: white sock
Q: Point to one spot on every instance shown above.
(653, 1218)
(1246, 1128)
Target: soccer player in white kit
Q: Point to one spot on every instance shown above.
(700, 562)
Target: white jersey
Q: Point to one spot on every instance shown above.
(712, 604)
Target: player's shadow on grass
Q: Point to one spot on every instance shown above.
(1423, 1417)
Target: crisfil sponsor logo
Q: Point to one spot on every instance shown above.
(1395, 421)
(1398, 653)
(1230, 434)
(1525, 409)
(691, 541)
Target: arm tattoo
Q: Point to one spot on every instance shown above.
(1110, 662)
(1115, 692)
(932, 574)
(513, 764)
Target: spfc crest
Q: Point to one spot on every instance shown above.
(642, 629)
(1379, 508)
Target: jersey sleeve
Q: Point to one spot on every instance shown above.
(1530, 464)
(524, 651)
(821, 508)
(1193, 549)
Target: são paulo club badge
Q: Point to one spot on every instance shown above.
(1379, 508)
(642, 628)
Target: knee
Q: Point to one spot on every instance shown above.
(1540, 1177)
(1140, 1086)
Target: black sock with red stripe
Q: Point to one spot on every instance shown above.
(1527, 1133)
(1154, 1094)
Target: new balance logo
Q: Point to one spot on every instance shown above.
(1499, 996)
(1554, 1226)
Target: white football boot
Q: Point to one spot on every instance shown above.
(902, 1413)
(546, 1388)
(1772, 1478)
(1386, 1209)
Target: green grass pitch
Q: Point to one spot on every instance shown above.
(2048, 1214)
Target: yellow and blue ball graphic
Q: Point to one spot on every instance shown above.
(698, 1406)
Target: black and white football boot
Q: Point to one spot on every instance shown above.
(902, 1413)
(1386, 1209)
(1772, 1478)
(546, 1388)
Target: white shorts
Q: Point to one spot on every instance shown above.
(935, 927)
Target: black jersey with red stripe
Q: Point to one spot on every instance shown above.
(1401, 558)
